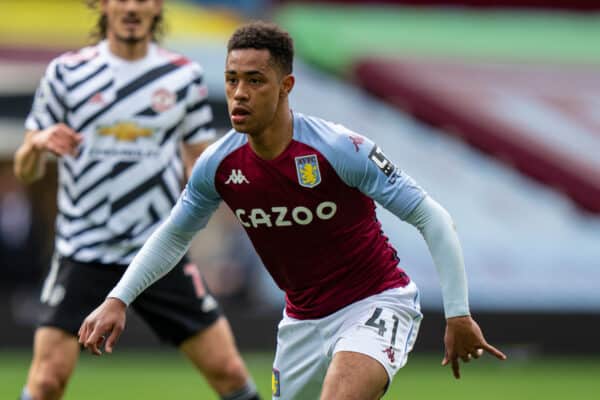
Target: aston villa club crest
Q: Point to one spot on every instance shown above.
(275, 386)
(307, 168)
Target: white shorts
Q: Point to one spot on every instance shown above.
(383, 327)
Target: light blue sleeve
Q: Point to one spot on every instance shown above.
(200, 198)
(374, 174)
(439, 232)
(163, 250)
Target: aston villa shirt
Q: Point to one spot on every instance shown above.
(310, 212)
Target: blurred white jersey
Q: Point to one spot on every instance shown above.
(127, 174)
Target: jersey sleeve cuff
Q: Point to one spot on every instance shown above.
(457, 309)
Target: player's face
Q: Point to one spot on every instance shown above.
(130, 21)
(254, 87)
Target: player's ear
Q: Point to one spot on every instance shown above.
(287, 84)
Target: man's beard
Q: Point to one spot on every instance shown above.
(130, 39)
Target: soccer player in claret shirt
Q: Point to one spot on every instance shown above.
(304, 191)
(116, 115)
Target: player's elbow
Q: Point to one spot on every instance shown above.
(23, 175)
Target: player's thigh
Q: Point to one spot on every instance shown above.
(300, 361)
(354, 376)
(178, 306)
(382, 328)
(55, 354)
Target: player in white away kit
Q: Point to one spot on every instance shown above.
(304, 191)
(118, 115)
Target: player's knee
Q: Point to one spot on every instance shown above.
(47, 386)
(232, 371)
(48, 382)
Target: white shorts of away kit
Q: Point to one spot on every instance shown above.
(383, 326)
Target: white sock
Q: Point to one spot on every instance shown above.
(25, 395)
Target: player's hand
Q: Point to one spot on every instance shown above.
(107, 319)
(464, 340)
(58, 139)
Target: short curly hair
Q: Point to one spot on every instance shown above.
(265, 35)
(98, 33)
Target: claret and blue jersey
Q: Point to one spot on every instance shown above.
(309, 212)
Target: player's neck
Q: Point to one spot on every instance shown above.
(273, 141)
(127, 51)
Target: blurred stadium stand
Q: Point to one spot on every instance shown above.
(541, 118)
(533, 256)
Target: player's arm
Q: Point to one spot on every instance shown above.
(163, 250)
(30, 158)
(46, 132)
(369, 170)
(463, 339)
(189, 155)
(437, 228)
(157, 257)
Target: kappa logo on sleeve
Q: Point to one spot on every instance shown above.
(357, 141)
(382, 162)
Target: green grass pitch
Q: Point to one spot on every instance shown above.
(167, 375)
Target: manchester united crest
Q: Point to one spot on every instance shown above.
(162, 100)
(307, 168)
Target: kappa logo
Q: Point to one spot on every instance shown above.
(97, 99)
(391, 354)
(236, 177)
(356, 141)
